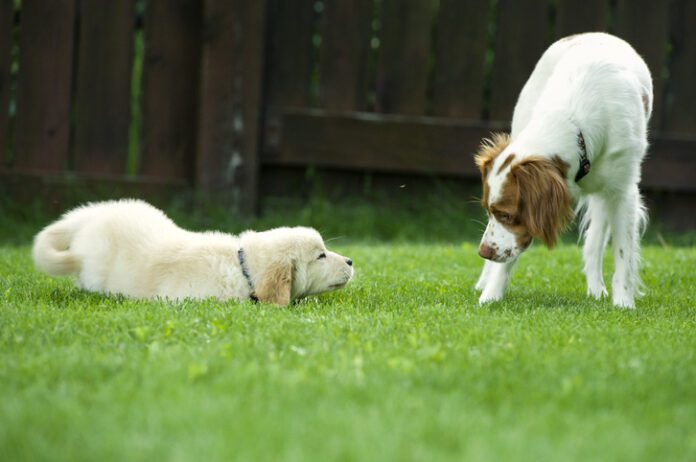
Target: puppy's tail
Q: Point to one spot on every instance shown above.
(51, 250)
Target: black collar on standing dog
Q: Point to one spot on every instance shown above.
(245, 272)
(584, 161)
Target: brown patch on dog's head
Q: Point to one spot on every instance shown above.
(544, 205)
(490, 149)
(506, 162)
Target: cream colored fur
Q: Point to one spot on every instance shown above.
(131, 248)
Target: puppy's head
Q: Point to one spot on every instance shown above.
(287, 263)
(524, 198)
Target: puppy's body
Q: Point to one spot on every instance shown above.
(592, 90)
(131, 248)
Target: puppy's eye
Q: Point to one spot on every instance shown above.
(322, 255)
(504, 217)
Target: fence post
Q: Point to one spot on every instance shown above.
(43, 92)
(6, 23)
(230, 101)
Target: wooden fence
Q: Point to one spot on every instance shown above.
(220, 95)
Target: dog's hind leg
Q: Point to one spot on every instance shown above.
(626, 218)
(497, 281)
(596, 223)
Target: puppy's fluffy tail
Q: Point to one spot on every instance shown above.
(51, 250)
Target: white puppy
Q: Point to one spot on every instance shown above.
(579, 132)
(131, 248)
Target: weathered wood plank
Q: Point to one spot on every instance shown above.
(459, 58)
(679, 110)
(429, 145)
(343, 54)
(57, 192)
(45, 77)
(289, 65)
(670, 164)
(402, 75)
(391, 143)
(103, 86)
(645, 25)
(170, 83)
(6, 23)
(520, 40)
(230, 104)
(578, 16)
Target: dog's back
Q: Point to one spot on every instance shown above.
(97, 237)
(577, 66)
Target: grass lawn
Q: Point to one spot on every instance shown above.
(401, 365)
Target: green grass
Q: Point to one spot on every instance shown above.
(401, 365)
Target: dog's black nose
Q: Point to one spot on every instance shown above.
(349, 261)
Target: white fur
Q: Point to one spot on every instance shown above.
(597, 84)
(131, 248)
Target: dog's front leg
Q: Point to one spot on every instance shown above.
(596, 238)
(498, 278)
(485, 275)
(625, 223)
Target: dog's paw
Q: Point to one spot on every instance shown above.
(597, 291)
(624, 301)
(489, 296)
(481, 284)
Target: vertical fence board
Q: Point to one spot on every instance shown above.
(679, 110)
(289, 66)
(402, 77)
(230, 108)
(45, 76)
(343, 55)
(289, 63)
(521, 39)
(649, 37)
(6, 21)
(170, 83)
(103, 86)
(459, 58)
(577, 16)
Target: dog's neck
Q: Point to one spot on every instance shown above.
(557, 133)
(241, 254)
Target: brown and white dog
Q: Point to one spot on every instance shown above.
(579, 134)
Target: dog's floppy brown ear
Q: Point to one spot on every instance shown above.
(276, 284)
(546, 204)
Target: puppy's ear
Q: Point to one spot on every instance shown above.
(545, 201)
(489, 150)
(276, 283)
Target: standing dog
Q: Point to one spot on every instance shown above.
(131, 248)
(579, 132)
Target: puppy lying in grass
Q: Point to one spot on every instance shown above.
(131, 248)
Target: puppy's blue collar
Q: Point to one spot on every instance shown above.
(245, 271)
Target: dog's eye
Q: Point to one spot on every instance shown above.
(322, 255)
(504, 217)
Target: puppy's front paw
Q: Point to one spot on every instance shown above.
(490, 296)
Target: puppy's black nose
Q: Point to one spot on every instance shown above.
(349, 261)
